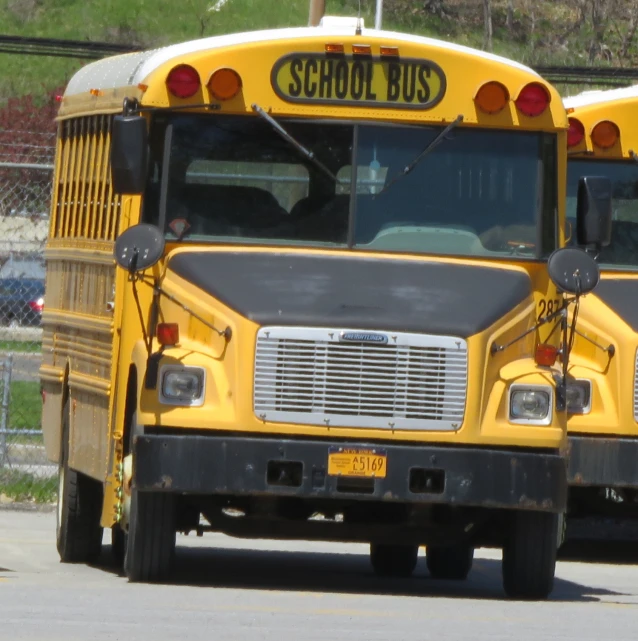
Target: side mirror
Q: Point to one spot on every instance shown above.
(593, 211)
(139, 247)
(129, 154)
(573, 270)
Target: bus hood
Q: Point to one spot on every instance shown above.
(621, 296)
(277, 288)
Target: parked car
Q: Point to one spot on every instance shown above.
(21, 302)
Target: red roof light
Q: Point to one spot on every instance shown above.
(183, 81)
(533, 99)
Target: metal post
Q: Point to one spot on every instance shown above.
(378, 15)
(317, 11)
(7, 366)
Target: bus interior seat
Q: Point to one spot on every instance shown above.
(323, 218)
(228, 209)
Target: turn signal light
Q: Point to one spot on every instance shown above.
(575, 133)
(492, 97)
(335, 48)
(545, 354)
(533, 99)
(167, 334)
(605, 134)
(225, 83)
(183, 81)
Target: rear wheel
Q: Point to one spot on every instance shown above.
(78, 529)
(451, 563)
(393, 560)
(150, 542)
(529, 555)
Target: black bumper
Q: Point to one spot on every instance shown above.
(189, 464)
(604, 462)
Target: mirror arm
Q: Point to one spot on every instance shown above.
(611, 350)
(495, 349)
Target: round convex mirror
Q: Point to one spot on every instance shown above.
(139, 247)
(573, 271)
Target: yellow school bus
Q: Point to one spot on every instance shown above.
(603, 401)
(294, 280)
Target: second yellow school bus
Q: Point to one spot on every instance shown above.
(603, 404)
(329, 307)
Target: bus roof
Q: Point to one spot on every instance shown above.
(588, 98)
(131, 69)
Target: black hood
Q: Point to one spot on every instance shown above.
(621, 296)
(355, 292)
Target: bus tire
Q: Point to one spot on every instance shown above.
(529, 555)
(393, 560)
(78, 529)
(150, 544)
(118, 545)
(450, 563)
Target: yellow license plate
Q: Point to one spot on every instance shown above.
(344, 461)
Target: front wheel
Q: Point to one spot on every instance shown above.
(452, 563)
(529, 555)
(393, 560)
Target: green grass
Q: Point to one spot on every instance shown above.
(154, 23)
(25, 405)
(29, 347)
(22, 486)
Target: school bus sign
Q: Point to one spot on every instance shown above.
(353, 80)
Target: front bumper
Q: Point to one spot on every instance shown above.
(190, 464)
(603, 461)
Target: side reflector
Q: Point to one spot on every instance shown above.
(225, 83)
(533, 99)
(362, 50)
(492, 97)
(605, 134)
(167, 333)
(335, 48)
(183, 81)
(575, 133)
(545, 354)
(389, 51)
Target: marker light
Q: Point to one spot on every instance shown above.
(492, 97)
(183, 81)
(533, 99)
(545, 354)
(362, 50)
(575, 133)
(335, 48)
(168, 334)
(389, 51)
(605, 134)
(225, 83)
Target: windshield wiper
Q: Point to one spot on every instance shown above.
(295, 143)
(425, 152)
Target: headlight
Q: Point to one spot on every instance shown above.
(578, 396)
(531, 404)
(182, 385)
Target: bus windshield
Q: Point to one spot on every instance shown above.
(623, 250)
(234, 179)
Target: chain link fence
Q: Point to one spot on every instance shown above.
(26, 169)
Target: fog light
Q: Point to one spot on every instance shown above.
(578, 396)
(530, 404)
(182, 385)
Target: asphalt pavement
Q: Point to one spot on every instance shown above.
(228, 589)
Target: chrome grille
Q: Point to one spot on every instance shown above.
(636, 388)
(311, 376)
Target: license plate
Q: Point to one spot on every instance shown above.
(369, 463)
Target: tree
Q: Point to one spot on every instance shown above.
(487, 16)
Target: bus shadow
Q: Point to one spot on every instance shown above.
(338, 573)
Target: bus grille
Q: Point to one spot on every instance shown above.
(314, 377)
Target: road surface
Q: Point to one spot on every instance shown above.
(235, 590)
